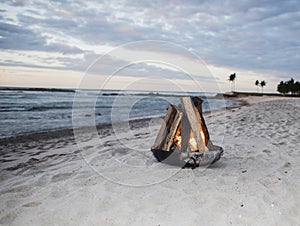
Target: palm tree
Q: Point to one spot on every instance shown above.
(262, 84)
(257, 84)
(231, 79)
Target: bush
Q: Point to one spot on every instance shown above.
(289, 87)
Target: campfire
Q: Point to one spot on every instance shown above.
(183, 138)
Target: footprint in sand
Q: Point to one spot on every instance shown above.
(21, 188)
(61, 176)
(32, 204)
(88, 147)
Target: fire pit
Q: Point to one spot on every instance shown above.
(183, 139)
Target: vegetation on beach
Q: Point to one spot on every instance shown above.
(257, 84)
(245, 94)
(231, 79)
(261, 84)
(289, 87)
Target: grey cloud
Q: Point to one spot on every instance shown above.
(53, 23)
(33, 12)
(22, 64)
(157, 72)
(15, 37)
(19, 38)
(17, 3)
(256, 34)
(62, 48)
(244, 41)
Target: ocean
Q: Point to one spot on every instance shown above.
(35, 110)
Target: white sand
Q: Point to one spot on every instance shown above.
(256, 182)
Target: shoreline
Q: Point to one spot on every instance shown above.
(25, 116)
(69, 132)
(64, 182)
(65, 132)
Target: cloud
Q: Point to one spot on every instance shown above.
(255, 35)
(18, 38)
(14, 37)
(17, 3)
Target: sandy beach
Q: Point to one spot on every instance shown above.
(113, 178)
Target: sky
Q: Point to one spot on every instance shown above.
(149, 45)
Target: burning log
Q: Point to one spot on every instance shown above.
(183, 138)
(164, 139)
(195, 123)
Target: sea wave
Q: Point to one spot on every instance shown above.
(43, 111)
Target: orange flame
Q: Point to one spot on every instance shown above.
(192, 141)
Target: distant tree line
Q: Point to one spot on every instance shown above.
(289, 87)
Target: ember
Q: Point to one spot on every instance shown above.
(183, 138)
